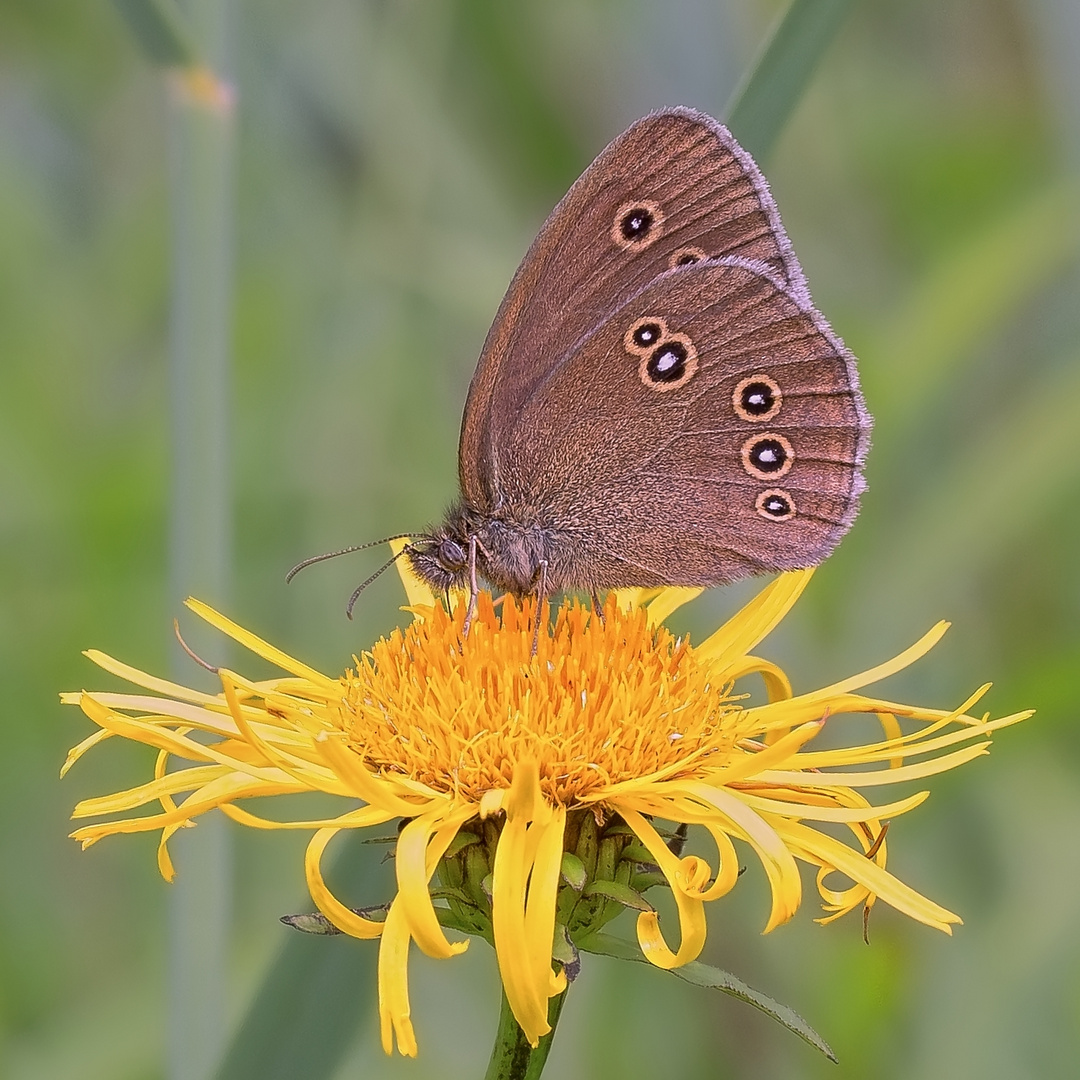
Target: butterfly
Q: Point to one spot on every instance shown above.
(658, 401)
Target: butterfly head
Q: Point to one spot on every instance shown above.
(441, 558)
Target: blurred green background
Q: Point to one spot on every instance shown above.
(394, 159)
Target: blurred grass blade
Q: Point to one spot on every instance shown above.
(306, 1012)
(315, 995)
(768, 95)
(714, 979)
(161, 29)
(997, 489)
(969, 297)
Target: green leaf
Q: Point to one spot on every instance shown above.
(448, 892)
(313, 997)
(621, 894)
(460, 842)
(573, 871)
(641, 882)
(638, 853)
(160, 28)
(766, 98)
(460, 918)
(714, 979)
(311, 922)
(566, 952)
(315, 922)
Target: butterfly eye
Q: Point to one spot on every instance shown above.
(757, 398)
(451, 555)
(637, 224)
(644, 335)
(670, 364)
(767, 456)
(685, 257)
(775, 504)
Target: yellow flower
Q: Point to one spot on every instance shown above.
(511, 771)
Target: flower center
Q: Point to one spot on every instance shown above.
(602, 701)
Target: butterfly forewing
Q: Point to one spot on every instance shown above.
(673, 189)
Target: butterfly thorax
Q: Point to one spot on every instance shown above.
(515, 551)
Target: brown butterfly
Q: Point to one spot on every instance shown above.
(658, 401)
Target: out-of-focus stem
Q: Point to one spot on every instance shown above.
(201, 106)
(512, 1058)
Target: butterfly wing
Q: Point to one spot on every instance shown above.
(711, 427)
(675, 187)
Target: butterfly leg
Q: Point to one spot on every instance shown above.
(541, 596)
(470, 614)
(597, 606)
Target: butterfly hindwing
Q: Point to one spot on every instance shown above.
(710, 427)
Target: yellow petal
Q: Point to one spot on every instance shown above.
(525, 800)
(540, 905)
(361, 783)
(354, 819)
(756, 620)
(867, 872)
(148, 682)
(876, 777)
(631, 598)
(779, 866)
(777, 684)
(342, 917)
(416, 858)
(417, 589)
(513, 863)
(394, 1011)
(780, 751)
(727, 873)
(508, 927)
(690, 907)
(802, 811)
(77, 752)
(671, 599)
(256, 644)
(491, 802)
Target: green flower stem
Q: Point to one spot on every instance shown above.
(512, 1058)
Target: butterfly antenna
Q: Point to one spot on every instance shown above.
(364, 584)
(344, 551)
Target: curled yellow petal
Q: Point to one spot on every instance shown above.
(869, 874)
(342, 917)
(416, 858)
(690, 906)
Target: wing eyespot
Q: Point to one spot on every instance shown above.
(767, 456)
(645, 335)
(637, 224)
(669, 365)
(757, 398)
(685, 256)
(775, 504)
